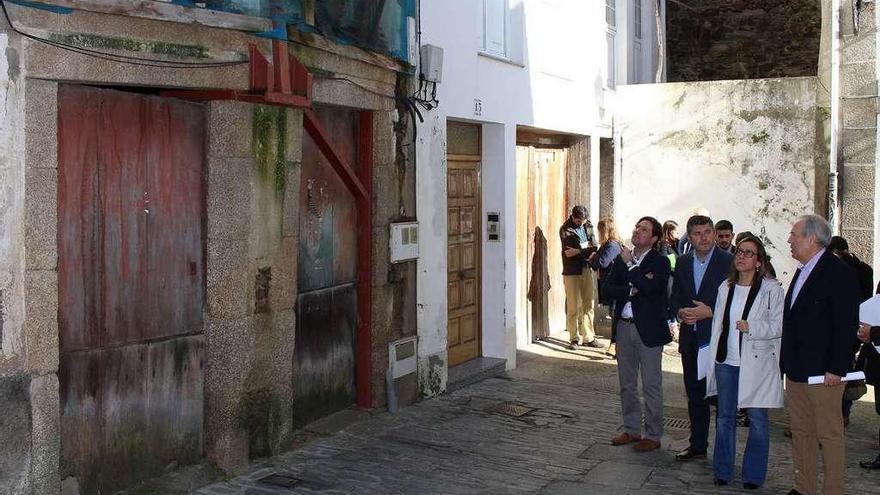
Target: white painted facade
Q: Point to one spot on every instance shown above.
(543, 66)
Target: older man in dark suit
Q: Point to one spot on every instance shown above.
(819, 327)
(696, 279)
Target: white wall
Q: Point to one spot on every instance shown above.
(553, 79)
(744, 150)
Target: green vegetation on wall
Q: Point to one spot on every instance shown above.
(261, 414)
(270, 144)
(130, 45)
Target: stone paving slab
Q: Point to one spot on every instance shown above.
(457, 444)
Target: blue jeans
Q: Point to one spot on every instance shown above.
(754, 468)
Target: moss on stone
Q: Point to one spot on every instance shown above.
(261, 414)
(129, 45)
(430, 382)
(270, 144)
(760, 137)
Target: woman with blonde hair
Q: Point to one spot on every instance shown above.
(744, 361)
(609, 248)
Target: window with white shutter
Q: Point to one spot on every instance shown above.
(495, 22)
(637, 18)
(610, 40)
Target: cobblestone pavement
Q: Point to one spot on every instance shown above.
(557, 443)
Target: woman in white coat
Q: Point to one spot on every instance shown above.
(744, 361)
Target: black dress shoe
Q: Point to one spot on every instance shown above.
(689, 453)
(794, 492)
(875, 464)
(750, 486)
(720, 482)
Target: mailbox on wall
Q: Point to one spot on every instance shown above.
(404, 241)
(493, 226)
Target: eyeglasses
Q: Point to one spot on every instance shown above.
(744, 253)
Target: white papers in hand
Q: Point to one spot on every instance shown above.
(869, 311)
(853, 375)
(703, 362)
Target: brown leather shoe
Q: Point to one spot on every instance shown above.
(646, 445)
(689, 453)
(624, 438)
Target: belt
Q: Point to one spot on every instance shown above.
(627, 320)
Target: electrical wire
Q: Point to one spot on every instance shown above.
(356, 84)
(113, 57)
(408, 103)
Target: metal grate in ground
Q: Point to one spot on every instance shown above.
(280, 480)
(677, 423)
(510, 409)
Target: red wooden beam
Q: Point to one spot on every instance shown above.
(281, 66)
(364, 354)
(259, 70)
(351, 180)
(285, 82)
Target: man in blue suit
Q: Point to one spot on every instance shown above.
(696, 279)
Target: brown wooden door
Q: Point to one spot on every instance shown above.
(463, 257)
(131, 284)
(541, 203)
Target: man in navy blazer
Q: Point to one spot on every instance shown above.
(637, 282)
(696, 279)
(819, 326)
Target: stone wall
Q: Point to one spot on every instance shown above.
(28, 282)
(741, 39)
(745, 150)
(859, 137)
(251, 226)
(15, 406)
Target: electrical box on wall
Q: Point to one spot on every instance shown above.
(402, 357)
(431, 58)
(404, 241)
(493, 226)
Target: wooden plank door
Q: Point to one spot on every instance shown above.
(131, 284)
(463, 258)
(542, 204)
(326, 308)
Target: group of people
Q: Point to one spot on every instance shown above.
(746, 343)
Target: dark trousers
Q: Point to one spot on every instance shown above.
(698, 405)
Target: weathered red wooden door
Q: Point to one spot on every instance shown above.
(131, 284)
(326, 313)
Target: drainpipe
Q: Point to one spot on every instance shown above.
(834, 151)
(661, 44)
(876, 261)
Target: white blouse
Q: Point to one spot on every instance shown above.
(740, 294)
